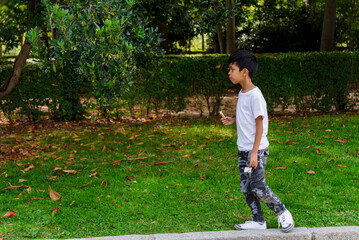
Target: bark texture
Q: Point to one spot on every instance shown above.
(327, 40)
(231, 29)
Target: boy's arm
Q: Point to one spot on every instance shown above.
(253, 159)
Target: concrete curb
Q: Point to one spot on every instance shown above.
(325, 233)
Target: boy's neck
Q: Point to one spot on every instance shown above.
(247, 86)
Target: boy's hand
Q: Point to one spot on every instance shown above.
(228, 121)
(253, 161)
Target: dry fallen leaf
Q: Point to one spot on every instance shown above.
(55, 211)
(318, 150)
(309, 147)
(22, 180)
(339, 165)
(134, 136)
(162, 162)
(203, 145)
(29, 167)
(190, 154)
(101, 137)
(117, 162)
(70, 171)
(220, 140)
(4, 173)
(134, 159)
(72, 203)
(52, 178)
(103, 182)
(311, 172)
(9, 214)
(55, 196)
(282, 167)
(87, 184)
(12, 187)
(93, 170)
(93, 175)
(131, 179)
(28, 190)
(341, 141)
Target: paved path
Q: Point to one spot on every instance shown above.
(326, 233)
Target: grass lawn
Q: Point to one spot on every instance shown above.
(178, 176)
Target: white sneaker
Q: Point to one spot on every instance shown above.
(251, 225)
(286, 220)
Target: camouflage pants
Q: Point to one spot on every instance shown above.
(254, 186)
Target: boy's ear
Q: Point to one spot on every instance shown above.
(245, 71)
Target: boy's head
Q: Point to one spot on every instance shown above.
(244, 59)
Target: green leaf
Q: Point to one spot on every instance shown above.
(54, 67)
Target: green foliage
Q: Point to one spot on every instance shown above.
(97, 45)
(15, 19)
(296, 26)
(41, 92)
(347, 26)
(12, 23)
(173, 18)
(33, 92)
(283, 26)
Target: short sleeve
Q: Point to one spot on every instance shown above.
(259, 105)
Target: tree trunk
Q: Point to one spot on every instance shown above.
(231, 29)
(327, 40)
(203, 47)
(220, 38)
(164, 35)
(14, 77)
(20, 61)
(352, 19)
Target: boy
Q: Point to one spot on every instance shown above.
(252, 127)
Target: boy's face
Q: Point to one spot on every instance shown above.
(235, 75)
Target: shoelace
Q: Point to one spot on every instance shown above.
(281, 219)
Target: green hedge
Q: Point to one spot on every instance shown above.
(169, 84)
(310, 81)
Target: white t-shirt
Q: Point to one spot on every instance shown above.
(251, 105)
